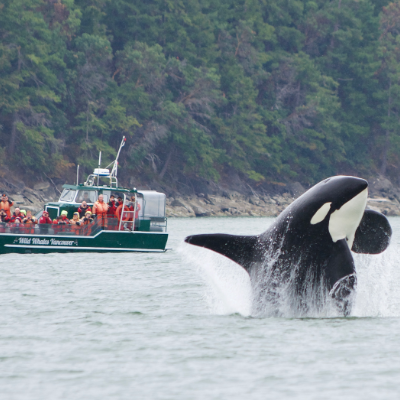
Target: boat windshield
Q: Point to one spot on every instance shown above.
(67, 195)
(90, 196)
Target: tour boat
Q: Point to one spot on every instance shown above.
(142, 230)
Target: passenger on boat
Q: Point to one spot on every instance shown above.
(120, 201)
(100, 210)
(16, 214)
(122, 215)
(134, 206)
(75, 223)
(3, 216)
(83, 208)
(86, 221)
(45, 219)
(62, 220)
(29, 215)
(75, 219)
(84, 198)
(6, 204)
(64, 217)
(17, 220)
(29, 218)
(29, 222)
(112, 206)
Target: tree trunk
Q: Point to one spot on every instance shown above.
(164, 170)
(13, 138)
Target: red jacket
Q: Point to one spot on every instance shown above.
(45, 220)
(14, 217)
(5, 219)
(112, 208)
(82, 211)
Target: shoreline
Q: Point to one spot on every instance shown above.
(383, 198)
(254, 206)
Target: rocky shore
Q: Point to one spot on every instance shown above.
(30, 198)
(384, 197)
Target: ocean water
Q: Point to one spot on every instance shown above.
(179, 326)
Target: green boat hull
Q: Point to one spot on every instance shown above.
(103, 241)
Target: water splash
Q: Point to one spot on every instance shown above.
(227, 285)
(228, 289)
(378, 289)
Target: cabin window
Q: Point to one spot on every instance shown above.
(67, 195)
(90, 196)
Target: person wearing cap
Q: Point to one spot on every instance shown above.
(83, 208)
(45, 219)
(6, 204)
(23, 215)
(87, 219)
(75, 219)
(100, 209)
(29, 222)
(64, 218)
(75, 223)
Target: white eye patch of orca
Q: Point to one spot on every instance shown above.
(344, 222)
(320, 215)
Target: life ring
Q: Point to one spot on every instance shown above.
(125, 215)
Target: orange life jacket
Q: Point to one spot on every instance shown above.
(100, 208)
(6, 206)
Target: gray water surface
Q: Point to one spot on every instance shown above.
(178, 326)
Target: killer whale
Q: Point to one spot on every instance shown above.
(306, 252)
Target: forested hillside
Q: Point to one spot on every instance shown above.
(270, 90)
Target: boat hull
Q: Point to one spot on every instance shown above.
(103, 241)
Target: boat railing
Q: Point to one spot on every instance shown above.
(111, 223)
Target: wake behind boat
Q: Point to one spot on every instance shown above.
(137, 223)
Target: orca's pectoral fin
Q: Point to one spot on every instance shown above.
(241, 249)
(373, 234)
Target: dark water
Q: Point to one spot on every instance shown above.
(179, 326)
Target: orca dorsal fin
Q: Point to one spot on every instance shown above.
(241, 249)
(373, 234)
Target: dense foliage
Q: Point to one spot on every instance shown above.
(271, 90)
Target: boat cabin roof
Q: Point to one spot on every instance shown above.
(97, 188)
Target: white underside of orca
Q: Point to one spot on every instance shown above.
(344, 222)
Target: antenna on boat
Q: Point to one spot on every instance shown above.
(114, 171)
(98, 171)
(77, 175)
